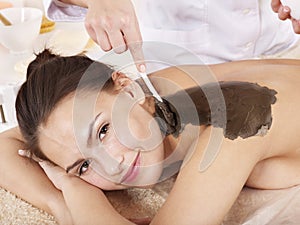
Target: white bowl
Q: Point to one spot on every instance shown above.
(25, 28)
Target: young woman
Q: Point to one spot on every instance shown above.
(94, 128)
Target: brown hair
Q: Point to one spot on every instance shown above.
(50, 78)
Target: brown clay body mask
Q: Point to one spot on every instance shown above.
(242, 109)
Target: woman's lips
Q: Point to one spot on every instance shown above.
(133, 170)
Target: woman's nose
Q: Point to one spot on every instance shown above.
(116, 167)
(105, 163)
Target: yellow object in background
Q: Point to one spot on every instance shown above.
(4, 5)
(47, 25)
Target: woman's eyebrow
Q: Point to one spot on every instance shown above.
(91, 126)
(74, 165)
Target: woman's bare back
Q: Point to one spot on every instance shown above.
(280, 164)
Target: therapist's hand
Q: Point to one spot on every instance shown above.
(113, 25)
(284, 13)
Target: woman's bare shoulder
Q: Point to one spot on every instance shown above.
(12, 133)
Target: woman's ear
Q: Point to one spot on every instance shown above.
(124, 83)
(120, 80)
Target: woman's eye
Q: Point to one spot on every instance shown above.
(103, 131)
(84, 167)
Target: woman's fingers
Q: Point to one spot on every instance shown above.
(24, 153)
(47, 166)
(54, 173)
(28, 154)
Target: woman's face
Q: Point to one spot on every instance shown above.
(113, 143)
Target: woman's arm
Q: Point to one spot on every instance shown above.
(89, 205)
(201, 198)
(27, 180)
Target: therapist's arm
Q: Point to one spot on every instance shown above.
(113, 25)
(284, 13)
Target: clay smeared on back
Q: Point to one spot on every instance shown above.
(242, 109)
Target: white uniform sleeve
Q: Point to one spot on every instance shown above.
(59, 11)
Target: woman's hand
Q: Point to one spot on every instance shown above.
(56, 174)
(51, 196)
(114, 25)
(284, 12)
